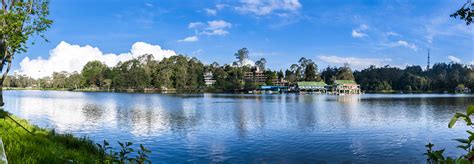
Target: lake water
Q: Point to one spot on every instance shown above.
(234, 128)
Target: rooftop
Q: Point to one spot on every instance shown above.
(345, 82)
(311, 83)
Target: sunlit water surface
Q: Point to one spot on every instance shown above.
(202, 128)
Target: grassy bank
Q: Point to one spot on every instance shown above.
(43, 146)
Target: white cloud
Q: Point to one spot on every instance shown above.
(216, 32)
(454, 59)
(266, 7)
(218, 24)
(189, 39)
(391, 33)
(357, 34)
(195, 25)
(70, 58)
(211, 12)
(359, 31)
(246, 62)
(355, 62)
(211, 28)
(406, 44)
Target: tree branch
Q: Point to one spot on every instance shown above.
(6, 72)
(4, 6)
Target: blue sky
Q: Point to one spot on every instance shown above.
(379, 32)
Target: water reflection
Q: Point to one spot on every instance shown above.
(260, 128)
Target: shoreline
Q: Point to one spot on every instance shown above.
(174, 91)
(29, 143)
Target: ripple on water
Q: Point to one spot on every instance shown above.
(227, 128)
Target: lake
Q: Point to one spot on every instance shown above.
(243, 128)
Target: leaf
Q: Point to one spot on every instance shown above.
(449, 160)
(429, 145)
(470, 110)
(470, 132)
(463, 147)
(439, 154)
(462, 140)
(453, 121)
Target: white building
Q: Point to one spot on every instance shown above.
(209, 79)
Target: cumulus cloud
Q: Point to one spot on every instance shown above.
(70, 58)
(189, 39)
(246, 62)
(454, 59)
(266, 7)
(355, 62)
(359, 31)
(406, 44)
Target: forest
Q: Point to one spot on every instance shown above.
(184, 74)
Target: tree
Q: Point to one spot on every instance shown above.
(345, 73)
(59, 79)
(310, 73)
(242, 55)
(74, 80)
(20, 20)
(93, 73)
(261, 64)
(329, 74)
(466, 12)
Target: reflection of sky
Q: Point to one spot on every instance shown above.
(224, 127)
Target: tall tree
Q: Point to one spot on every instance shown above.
(261, 64)
(20, 20)
(345, 73)
(93, 73)
(242, 55)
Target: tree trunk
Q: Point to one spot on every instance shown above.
(1, 95)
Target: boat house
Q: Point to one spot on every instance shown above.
(346, 87)
(312, 86)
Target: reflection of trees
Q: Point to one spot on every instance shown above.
(92, 112)
(240, 120)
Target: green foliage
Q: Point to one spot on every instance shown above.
(125, 150)
(44, 146)
(142, 155)
(441, 77)
(466, 12)
(436, 156)
(242, 55)
(344, 73)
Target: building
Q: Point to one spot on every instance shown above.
(209, 79)
(462, 89)
(311, 86)
(280, 82)
(346, 87)
(255, 75)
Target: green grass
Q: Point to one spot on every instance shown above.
(43, 146)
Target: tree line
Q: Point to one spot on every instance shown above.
(183, 73)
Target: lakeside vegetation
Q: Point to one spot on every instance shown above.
(26, 143)
(41, 145)
(185, 74)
